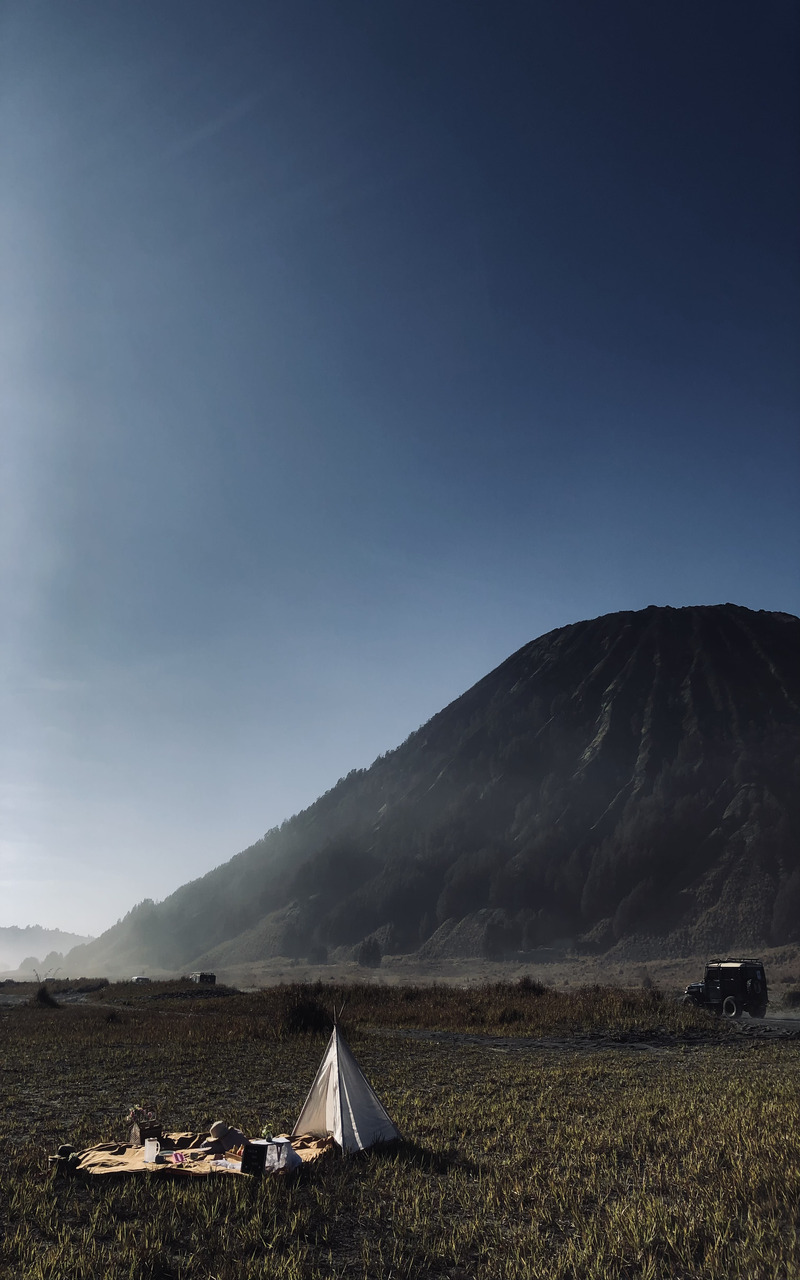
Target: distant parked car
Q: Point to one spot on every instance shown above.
(203, 977)
(140, 978)
(731, 987)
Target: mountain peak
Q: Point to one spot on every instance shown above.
(631, 774)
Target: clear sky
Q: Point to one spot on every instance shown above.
(346, 347)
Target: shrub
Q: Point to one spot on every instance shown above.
(530, 986)
(45, 999)
(301, 1014)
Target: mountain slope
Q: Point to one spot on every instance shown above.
(32, 942)
(636, 773)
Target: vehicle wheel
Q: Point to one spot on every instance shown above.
(760, 1012)
(731, 1007)
(689, 1002)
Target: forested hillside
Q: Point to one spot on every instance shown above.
(636, 774)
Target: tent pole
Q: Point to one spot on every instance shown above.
(339, 1090)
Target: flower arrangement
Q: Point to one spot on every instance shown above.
(142, 1120)
(140, 1114)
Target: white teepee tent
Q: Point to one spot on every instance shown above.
(341, 1102)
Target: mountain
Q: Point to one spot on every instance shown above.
(25, 945)
(632, 775)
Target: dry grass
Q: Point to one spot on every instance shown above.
(681, 1160)
(526, 1007)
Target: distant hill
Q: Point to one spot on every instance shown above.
(34, 943)
(633, 776)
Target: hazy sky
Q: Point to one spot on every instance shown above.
(346, 347)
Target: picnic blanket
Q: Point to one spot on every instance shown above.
(183, 1154)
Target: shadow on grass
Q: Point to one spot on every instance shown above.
(404, 1151)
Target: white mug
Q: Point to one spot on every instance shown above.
(152, 1146)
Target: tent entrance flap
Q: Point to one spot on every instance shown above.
(342, 1103)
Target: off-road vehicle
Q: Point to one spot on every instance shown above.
(731, 987)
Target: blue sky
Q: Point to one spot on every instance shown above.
(345, 349)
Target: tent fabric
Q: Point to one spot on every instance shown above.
(342, 1104)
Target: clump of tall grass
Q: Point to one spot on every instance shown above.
(300, 1011)
(44, 998)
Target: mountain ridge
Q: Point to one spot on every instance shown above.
(20, 944)
(633, 772)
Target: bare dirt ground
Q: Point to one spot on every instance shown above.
(670, 975)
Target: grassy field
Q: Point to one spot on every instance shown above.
(674, 1153)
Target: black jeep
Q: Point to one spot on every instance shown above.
(731, 987)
